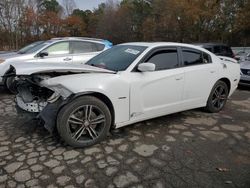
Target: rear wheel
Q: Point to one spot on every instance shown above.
(84, 122)
(218, 97)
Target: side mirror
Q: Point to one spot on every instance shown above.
(146, 67)
(43, 54)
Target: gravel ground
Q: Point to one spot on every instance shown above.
(188, 149)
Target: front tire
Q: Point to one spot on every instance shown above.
(218, 97)
(83, 122)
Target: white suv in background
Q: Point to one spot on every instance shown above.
(77, 50)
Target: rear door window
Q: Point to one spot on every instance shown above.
(194, 57)
(79, 47)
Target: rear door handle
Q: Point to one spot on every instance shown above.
(212, 71)
(67, 59)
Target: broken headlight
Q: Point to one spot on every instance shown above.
(54, 97)
(60, 90)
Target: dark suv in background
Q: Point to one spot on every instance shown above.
(217, 49)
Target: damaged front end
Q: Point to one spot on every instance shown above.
(38, 90)
(32, 96)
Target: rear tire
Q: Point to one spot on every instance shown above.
(218, 97)
(84, 122)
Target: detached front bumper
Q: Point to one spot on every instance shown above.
(42, 110)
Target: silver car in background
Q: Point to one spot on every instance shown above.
(245, 72)
(25, 49)
(77, 50)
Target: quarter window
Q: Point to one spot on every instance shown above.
(194, 57)
(165, 59)
(60, 48)
(99, 47)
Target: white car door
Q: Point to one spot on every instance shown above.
(200, 77)
(83, 51)
(56, 53)
(159, 92)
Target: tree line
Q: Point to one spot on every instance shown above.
(189, 21)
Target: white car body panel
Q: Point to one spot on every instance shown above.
(196, 91)
(138, 96)
(114, 86)
(147, 96)
(34, 68)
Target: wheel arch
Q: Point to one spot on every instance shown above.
(227, 82)
(104, 99)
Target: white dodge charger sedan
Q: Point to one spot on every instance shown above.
(126, 84)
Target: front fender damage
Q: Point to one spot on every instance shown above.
(49, 114)
(42, 101)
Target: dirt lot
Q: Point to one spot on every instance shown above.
(189, 149)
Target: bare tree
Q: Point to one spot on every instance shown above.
(69, 6)
(10, 14)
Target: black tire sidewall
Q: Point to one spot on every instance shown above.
(62, 117)
(210, 106)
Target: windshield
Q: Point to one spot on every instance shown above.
(28, 47)
(118, 58)
(37, 47)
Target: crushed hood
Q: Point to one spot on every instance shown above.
(36, 68)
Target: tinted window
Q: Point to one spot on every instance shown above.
(217, 49)
(59, 48)
(118, 58)
(82, 47)
(192, 57)
(164, 59)
(225, 50)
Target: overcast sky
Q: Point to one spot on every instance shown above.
(87, 4)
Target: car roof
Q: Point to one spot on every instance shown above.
(159, 44)
(209, 44)
(77, 38)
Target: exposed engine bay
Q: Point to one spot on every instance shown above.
(31, 95)
(36, 91)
